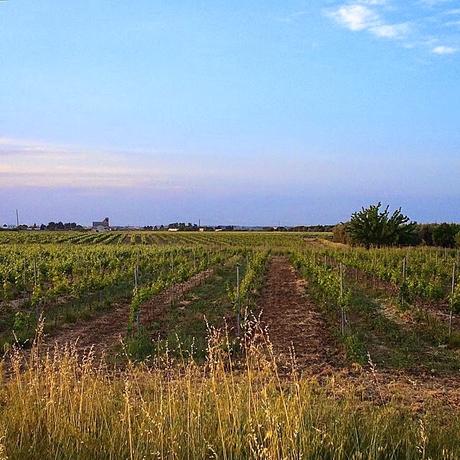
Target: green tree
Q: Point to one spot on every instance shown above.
(373, 227)
(425, 233)
(444, 235)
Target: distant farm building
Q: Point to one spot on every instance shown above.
(103, 226)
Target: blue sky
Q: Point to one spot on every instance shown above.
(230, 112)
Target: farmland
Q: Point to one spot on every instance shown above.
(226, 345)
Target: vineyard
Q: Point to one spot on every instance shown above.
(226, 345)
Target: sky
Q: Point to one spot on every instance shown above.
(249, 113)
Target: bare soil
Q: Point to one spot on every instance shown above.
(107, 330)
(293, 322)
(154, 308)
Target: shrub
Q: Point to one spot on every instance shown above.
(444, 235)
(372, 227)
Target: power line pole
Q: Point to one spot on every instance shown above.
(17, 218)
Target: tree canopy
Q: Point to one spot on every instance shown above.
(444, 235)
(373, 227)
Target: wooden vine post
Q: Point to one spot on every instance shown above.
(451, 314)
(342, 306)
(402, 298)
(173, 291)
(135, 291)
(238, 316)
(36, 285)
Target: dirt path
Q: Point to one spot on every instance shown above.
(293, 321)
(105, 331)
(154, 308)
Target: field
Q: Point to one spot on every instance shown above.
(226, 345)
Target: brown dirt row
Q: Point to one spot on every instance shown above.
(107, 330)
(294, 322)
(154, 309)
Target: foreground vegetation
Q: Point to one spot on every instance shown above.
(66, 407)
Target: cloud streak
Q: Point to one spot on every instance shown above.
(363, 16)
(444, 50)
(424, 24)
(34, 164)
(29, 164)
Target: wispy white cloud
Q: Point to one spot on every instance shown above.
(425, 24)
(436, 3)
(32, 164)
(292, 17)
(373, 2)
(362, 15)
(391, 30)
(444, 50)
(452, 17)
(452, 12)
(355, 17)
(36, 164)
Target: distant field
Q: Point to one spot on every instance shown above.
(158, 238)
(317, 351)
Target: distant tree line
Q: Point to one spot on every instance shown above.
(186, 227)
(51, 226)
(312, 228)
(61, 226)
(445, 235)
(374, 227)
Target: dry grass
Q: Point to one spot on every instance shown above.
(67, 406)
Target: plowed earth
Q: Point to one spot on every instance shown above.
(293, 322)
(295, 326)
(107, 330)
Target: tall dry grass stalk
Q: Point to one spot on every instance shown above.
(66, 406)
